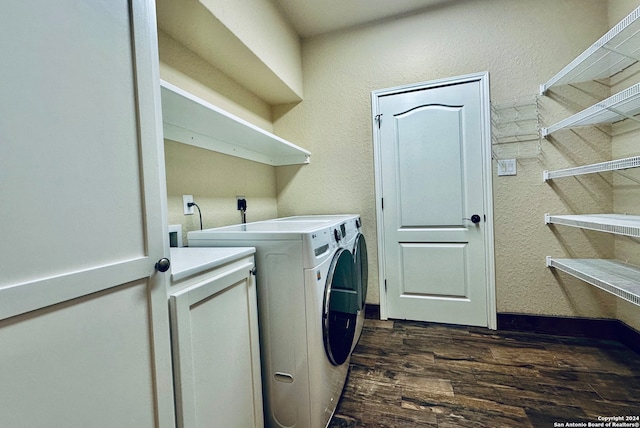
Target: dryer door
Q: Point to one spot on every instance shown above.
(362, 269)
(340, 307)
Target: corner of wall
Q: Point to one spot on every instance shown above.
(185, 69)
(263, 55)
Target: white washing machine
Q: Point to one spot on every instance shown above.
(307, 309)
(349, 235)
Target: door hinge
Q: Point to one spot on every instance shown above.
(385, 285)
(378, 118)
(382, 202)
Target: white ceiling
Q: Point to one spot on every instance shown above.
(314, 17)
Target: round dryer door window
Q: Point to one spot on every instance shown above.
(362, 269)
(340, 307)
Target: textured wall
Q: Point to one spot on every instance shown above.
(214, 179)
(270, 38)
(521, 44)
(626, 184)
(185, 69)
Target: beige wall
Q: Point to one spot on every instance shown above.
(262, 54)
(185, 69)
(521, 44)
(214, 179)
(270, 38)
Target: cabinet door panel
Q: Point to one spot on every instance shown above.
(81, 166)
(69, 115)
(216, 350)
(82, 363)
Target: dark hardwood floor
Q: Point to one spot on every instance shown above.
(411, 374)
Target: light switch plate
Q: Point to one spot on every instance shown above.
(506, 167)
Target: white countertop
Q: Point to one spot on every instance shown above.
(187, 261)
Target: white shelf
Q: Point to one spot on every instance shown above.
(620, 279)
(616, 50)
(623, 105)
(619, 224)
(613, 165)
(190, 120)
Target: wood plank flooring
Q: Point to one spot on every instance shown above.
(412, 374)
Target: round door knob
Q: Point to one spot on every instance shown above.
(163, 265)
(475, 219)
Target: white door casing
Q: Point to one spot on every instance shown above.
(84, 328)
(433, 173)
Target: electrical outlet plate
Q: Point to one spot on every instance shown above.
(506, 167)
(188, 210)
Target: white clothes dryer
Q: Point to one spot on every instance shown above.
(307, 308)
(348, 230)
(361, 264)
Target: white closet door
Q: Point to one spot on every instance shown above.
(436, 222)
(83, 317)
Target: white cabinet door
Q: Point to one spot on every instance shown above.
(84, 336)
(216, 350)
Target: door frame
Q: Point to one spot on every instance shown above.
(487, 172)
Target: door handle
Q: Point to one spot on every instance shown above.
(475, 219)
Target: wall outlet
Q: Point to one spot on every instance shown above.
(188, 210)
(241, 202)
(506, 167)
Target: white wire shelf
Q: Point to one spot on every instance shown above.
(193, 121)
(623, 105)
(613, 165)
(618, 224)
(619, 279)
(515, 128)
(613, 52)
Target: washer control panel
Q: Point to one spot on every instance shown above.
(320, 245)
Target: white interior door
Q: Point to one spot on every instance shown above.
(84, 329)
(433, 166)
